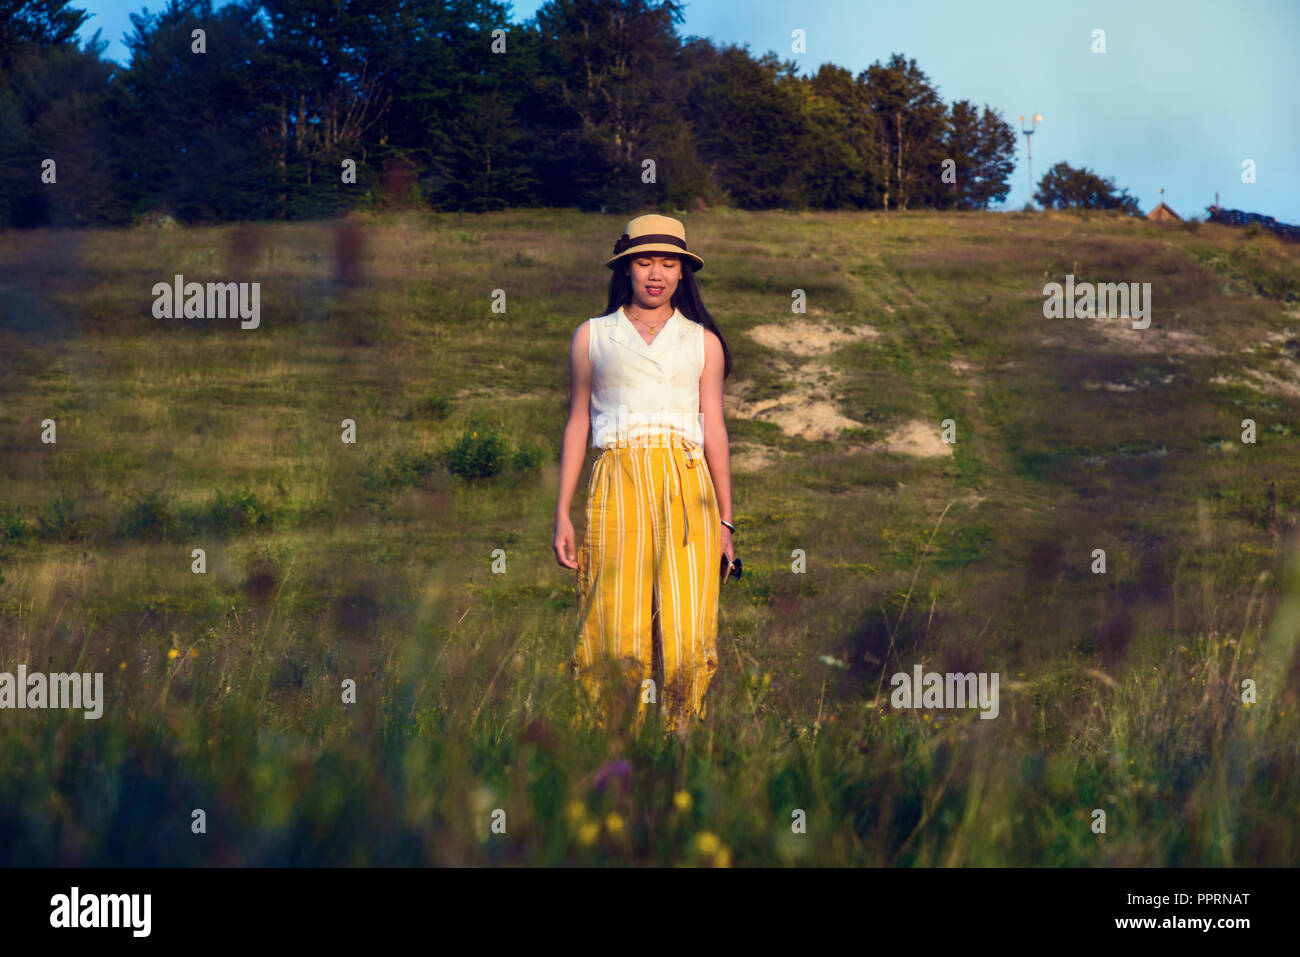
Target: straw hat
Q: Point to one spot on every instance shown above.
(653, 234)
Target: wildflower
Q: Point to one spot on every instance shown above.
(616, 770)
(575, 812)
(682, 801)
(723, 858)
(707, 843)
(613, 824)
(194, 652)
(767, 679)
(588, 833)
(171, 654)
(122, 666)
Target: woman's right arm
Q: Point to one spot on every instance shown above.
(577, 431)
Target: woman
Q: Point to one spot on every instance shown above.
(646, 386)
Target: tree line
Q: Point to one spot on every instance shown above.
(253, 110)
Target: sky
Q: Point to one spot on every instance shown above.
(1185, 92)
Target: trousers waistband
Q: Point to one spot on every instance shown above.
(673, 440)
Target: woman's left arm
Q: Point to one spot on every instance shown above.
(716, 451)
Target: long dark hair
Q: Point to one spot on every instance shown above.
(686, 297)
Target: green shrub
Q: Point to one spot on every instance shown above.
(149, 517)
(13, 526)
(528, 457)
(481, 451)
(484, 450)
(233, 513)
(407, 469)
(60, 521)
(435, 405)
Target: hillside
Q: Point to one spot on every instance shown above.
(373, 560)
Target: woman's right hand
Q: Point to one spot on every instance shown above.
(564, 543)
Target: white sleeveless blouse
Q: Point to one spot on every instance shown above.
(643, 392)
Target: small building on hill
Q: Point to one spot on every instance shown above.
(1163, 214)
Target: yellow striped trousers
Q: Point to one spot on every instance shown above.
(649, 576)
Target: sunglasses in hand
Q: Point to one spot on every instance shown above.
(734, 568)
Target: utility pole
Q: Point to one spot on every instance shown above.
(1038, 118)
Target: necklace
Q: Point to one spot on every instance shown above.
(643, 322)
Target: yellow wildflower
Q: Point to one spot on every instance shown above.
(707, 843)
(575, 812)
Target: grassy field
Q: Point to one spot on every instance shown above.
(378, 561)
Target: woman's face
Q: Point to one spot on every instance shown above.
(654, 279)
